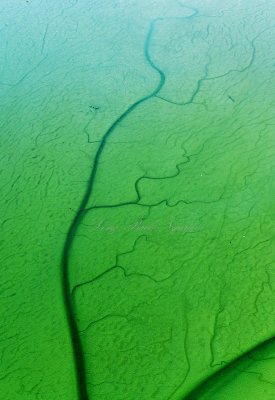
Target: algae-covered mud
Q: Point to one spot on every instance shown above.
(137, 200)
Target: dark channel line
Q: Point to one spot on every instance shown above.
(203, 385)
(77, 347)
(74, 333)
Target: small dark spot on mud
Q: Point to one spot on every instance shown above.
(93, 107)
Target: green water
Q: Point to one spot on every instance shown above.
(137, 200)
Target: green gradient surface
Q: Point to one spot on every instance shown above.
(137, 200)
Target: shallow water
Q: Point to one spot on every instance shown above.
(137, 175)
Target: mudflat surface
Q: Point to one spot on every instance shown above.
(137, 200)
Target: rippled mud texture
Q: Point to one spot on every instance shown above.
(137, 173)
